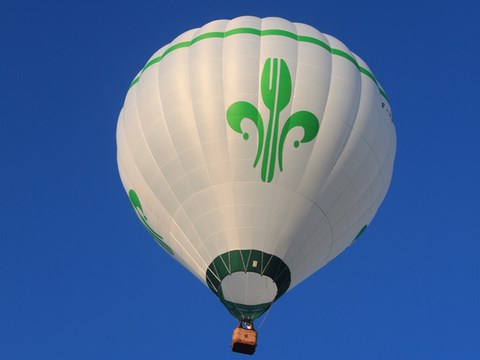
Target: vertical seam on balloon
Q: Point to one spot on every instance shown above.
(243, 261)
(172, 220)
(145, 143)
(227, 267)
(164, 120)
(177, 211)
(390, 156)
(312, 233)
(369, 146)
(128, 148)
(262, 267)
(374, 204)
(260, 105)
(392, 144)
(361, 194)
(229, 263)
(216, 274)
(165, 246)
(344, 145)
(195, 125)
(329, 235)
(230, 184)
(200, 270)
(199, 138)
(120, 127)
(359, 96)
(323, 118)
(310, 159)
(334, 225)
(292, 104)
(313, 145)
(249, 256)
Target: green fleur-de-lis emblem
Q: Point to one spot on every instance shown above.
(276, 88)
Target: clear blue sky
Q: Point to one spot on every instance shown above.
(81, 279)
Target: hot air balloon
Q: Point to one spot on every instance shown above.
(255, 151)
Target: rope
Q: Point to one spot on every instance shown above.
(264, 318)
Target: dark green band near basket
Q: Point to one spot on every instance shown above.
(254, 261)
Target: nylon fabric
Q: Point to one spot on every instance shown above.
(260, 136)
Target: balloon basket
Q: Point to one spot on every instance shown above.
(244, 340)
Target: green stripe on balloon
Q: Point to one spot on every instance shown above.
(257, 32)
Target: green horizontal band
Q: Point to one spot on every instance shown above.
(243, 261)
(257, 32)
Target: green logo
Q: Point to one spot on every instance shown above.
(137, 205)
(276, 88)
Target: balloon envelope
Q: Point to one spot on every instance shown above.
(255, 151)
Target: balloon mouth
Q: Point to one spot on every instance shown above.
(248, 282)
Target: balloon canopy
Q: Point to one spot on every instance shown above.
(255, 151)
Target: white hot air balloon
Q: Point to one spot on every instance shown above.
(255, 151)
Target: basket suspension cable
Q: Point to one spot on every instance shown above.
(264, 318)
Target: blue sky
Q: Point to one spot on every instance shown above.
(81, 279)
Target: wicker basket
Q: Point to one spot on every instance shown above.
(244, 340)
